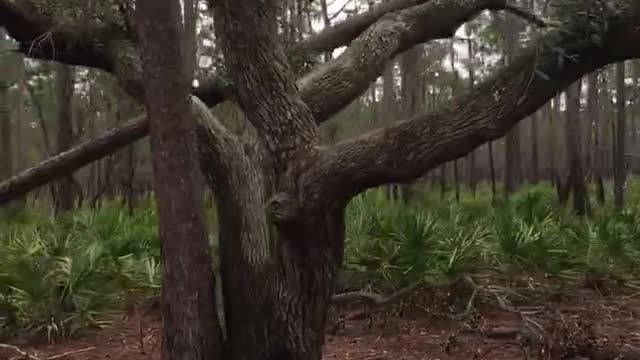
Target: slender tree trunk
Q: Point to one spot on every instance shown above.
(6, 137)
(535, 161)
(492, 171)
(556, 152)
(473, 181)
(512, 169)
(389, 107)
(620, 161)
(327, 23)
(593, 116)
(454, 88)
(65, 80)
(22, 88)
(576, 179)
(190, 327)
(443, 180)
(412, 99)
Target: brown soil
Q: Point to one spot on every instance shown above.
(580, 323)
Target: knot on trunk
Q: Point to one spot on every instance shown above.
(284, 208)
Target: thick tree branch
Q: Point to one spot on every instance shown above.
(344, 32)
(216, 138)
(265, 83)
(409, 148)
(339, 81)
(330, 87)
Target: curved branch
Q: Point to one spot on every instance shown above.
(332, 86)
(265, 83)
(343, 33)
(408, 149)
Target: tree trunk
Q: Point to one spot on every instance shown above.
(412, 99)
(6, 137)
(20, 111)
(443, 180)
(327, 23)
(492, 170)
(389, 108)
(512, 169)
(65, 80)
(190, 327)
(472, 176)
(576, 180)
(535, 161)
(620, 161)
(593, 116)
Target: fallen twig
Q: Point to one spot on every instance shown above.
(23, 355)
(374, 299)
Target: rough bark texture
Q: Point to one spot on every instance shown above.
(279, 263)
(65, 80)
(190, 327)
(280, 195)
(326, 90)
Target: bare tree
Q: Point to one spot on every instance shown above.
(281, 196)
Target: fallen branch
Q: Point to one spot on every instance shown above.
(377, 300)
(20, 354)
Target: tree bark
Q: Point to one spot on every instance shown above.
(576, 181)
(6, 136)
(535, 161)
(593, 115)
(512, 168)
(620, 145)
(65, 81)
(278, 263)
(190, 327)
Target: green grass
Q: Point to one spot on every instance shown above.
(60, 276)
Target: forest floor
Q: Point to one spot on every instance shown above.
(597, 323)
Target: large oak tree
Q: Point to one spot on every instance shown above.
(280, 194)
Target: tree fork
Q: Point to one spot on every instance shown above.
(24, 24)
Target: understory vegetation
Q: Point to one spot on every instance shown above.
(68, 274)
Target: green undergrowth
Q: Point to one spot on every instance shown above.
(64, 275)
(391, 244)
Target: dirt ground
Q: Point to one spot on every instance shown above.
(587, 323)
